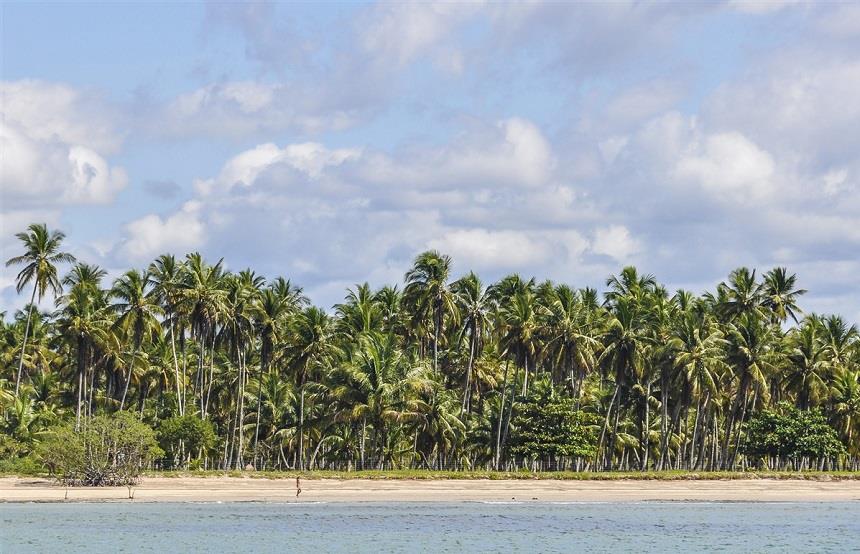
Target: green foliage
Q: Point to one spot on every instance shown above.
(111, 450)
(789, 433)
(188, 434)
(546, 424)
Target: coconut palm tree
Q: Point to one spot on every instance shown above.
(309, 354)
(752, 355)
(138, 315)
(167, 276)
(474, 306)
(428, 295)
(40, 259)
(377, 385)
(780, 295)
(275, 306)
(808, 369)
(83, 321)
(572, 343)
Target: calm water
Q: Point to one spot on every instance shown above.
(455, 527)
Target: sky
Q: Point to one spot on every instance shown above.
(331, 143)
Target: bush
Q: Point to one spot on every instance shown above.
(185, 435)
(787, 433)
(546, 424)
(108, 451)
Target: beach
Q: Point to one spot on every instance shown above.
(239, 489)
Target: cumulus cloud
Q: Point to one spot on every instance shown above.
(53, 139)
(151, 235)
(728, 165)
(305, 208)
(615, 241)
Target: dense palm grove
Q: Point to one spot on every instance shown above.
(440, 372)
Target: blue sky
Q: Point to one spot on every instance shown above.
(330, 143)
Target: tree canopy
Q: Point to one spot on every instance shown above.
(443, 370)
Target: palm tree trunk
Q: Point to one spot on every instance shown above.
(128, 380)
(646, 428)
(526, 375)
(501, 417)
(24, 342)
(176, 371)
(242, 377)
(301, 428)
(468, 387)
(605, 424)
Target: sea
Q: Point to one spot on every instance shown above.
(431, 527)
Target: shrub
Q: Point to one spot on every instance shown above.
(546, 424)
(110, 450)
(185, 435)
(786, 433)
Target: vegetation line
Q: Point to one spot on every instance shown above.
(185, 365)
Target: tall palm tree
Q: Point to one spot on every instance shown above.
(83, 320)
(376, 385)
(310, 354)
(698, 348)
(752, 354)
(474, 306)
(41, 256)
(572, 344)
(275, 306)
(808, 364)
(203, 293)
(167, 275)
(429, 296)
(624, 344)
(742, 295)
(780, 295)
(138, 315)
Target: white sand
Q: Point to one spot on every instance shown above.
(235, 489)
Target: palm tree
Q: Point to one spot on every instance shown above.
(742, 295)
(167, 275)
(846, 408)
(698, 349)
(310, 353)
(429, 296)
(779, 295)
(138, 314)
(624, 343)
(203, 293)
(474, 306)
(275, 306)
(41, 256)
(752, 355)
(808, 364)
(83, 320)
(375, 385)
(238, 332)
(572, 345)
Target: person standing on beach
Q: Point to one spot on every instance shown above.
(298, 486)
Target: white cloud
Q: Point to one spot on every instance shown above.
(616, 242)
(51, 137)
(492, 250)
(152, 235)
(728, 165)
(397, 33)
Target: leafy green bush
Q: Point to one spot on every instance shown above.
(545, 424)
(184, 436)
(108, 451)
(787, 433)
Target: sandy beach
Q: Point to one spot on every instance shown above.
(237, 489)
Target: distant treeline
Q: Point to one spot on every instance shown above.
(441, 371)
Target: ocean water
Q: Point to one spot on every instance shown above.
(431, 527)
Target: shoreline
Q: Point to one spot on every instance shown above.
(244, 489)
